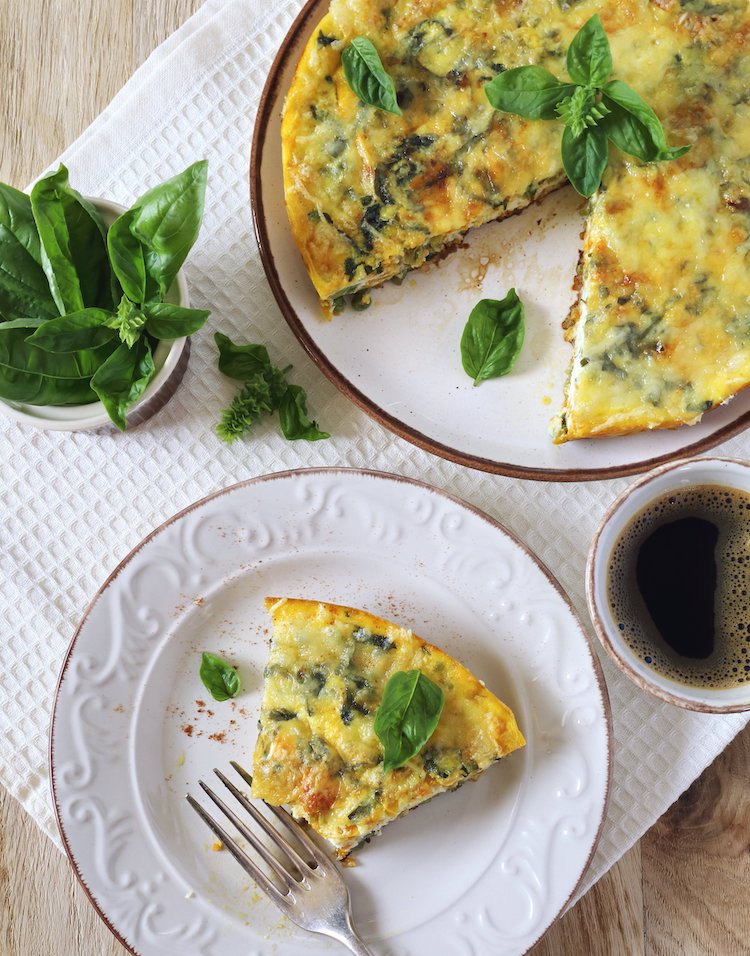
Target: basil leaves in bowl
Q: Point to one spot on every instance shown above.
(94, 312)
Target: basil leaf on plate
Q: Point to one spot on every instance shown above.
(293, 417)
(24, 290)
(367, 77)
(529, 91)
(29, 374)
(126, 255)
(122, 378)
(585, 158)
(219, 678)
(166, 321)
(167, 220)
(589, 58)
(73, 245)
(407, 716)
(17, 217)
(634, 127)
(70, 333)
(492, 338)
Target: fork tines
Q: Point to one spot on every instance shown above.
(310, 890)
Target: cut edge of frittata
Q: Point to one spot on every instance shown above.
(317, 752)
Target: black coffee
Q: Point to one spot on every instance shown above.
(679, 586)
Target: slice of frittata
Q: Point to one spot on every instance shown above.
(317, 752)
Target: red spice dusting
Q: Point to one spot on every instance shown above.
(188, 729)
(219, 737)
(201, 703)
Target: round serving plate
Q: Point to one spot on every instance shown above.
(484, 869)
(400, 360)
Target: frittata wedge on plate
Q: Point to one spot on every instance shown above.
(317, 752)
(661, 331)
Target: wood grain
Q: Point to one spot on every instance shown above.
(682, 891)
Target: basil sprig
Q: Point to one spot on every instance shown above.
(594, 109)
(265, 390)
(219, 678)
(492, 338)
(407, 716)
(81, 308)
(367, 77)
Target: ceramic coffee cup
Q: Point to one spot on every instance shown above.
(632, 575)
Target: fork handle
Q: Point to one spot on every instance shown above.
(345, 933)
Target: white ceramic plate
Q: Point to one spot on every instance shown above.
(400, 360)
(485, 869)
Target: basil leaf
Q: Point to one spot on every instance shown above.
(167, 220)
(24, 290)
(407, 716)
(126, 256)
(366, 75)
(29, 374)
(219, 678)
(585, 158)
(241, 361)
(166, 321)
(529, 91)
(70, 333)
(492, 338)
(122, 379)
(589, 59)
(73, 246)
(17, 217)
(634, 127)
(293, 417)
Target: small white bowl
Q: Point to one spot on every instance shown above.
(635, 499)
(170, 359)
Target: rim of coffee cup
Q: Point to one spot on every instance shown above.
(731, 472)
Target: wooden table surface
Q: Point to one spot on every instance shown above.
(683, 890)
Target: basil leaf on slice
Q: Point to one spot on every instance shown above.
(293, 417)
(71, 333)
(241, 361)
(219, 678)
(492, 338)
(122, 378)
(367, 77)
(166, 321)
(585, 158)
(126, 255)
(167, 220)
(589, 58)
(407, 716)
(29, 374)
(73, 245)
(529, 91)
(634, 127)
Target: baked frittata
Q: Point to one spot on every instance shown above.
(317, 752)
(661, 330)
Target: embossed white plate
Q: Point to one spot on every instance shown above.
(400, 360)
(483, 870)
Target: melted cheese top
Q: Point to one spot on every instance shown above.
(317, 751)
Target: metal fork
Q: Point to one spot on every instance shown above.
(315, 896)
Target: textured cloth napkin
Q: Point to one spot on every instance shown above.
(75, 504)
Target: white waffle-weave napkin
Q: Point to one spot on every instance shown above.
(74, 504)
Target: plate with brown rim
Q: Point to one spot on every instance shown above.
(484, 869)
(400, 360)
